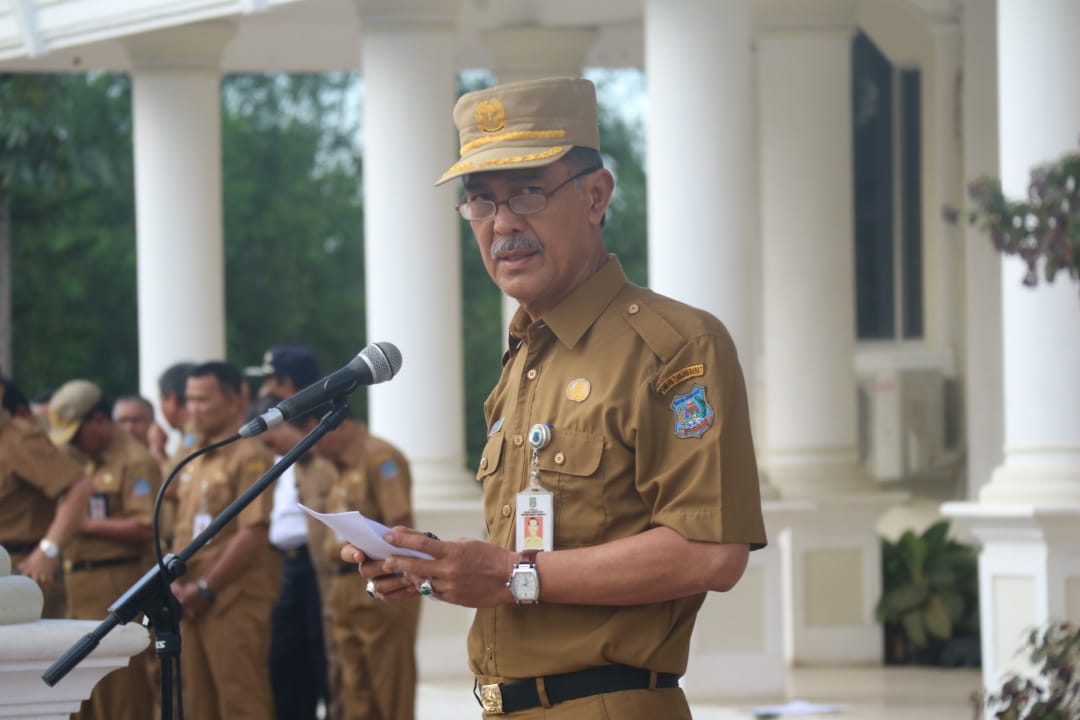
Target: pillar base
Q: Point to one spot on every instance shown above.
(440, 650)
(1029, 575)
(436, 485)
(831, 556)
(737, 650)
(818, 477)
(1052, 485)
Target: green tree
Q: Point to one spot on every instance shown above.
(293, 216)
(67, 170)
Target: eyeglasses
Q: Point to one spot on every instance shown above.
(525, 203)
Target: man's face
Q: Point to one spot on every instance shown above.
(537, 259)
(210, 407)
(133, 416)
(93, 435)
(174, 411)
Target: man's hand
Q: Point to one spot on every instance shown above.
(39, 567)
(467, 572)
(157, 439)
(191, 600)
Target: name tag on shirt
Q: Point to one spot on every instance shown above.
(99, 506)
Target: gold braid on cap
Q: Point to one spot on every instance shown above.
(461, 166)
(516, 135)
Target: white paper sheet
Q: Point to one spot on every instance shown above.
(797, 707)
(363, 532)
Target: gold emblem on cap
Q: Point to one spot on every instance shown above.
(578, 390)
(490, 115)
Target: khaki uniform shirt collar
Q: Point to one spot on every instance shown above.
(571, 318)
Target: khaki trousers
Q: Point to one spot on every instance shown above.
(376, 642)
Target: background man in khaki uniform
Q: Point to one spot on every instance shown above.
(376, 641)
(112, 549)
(231, 583)
(298, 661)
(638, 410)
(43, 497)
(135, 414)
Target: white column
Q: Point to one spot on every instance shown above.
(1038, 51)
(702, 199)
(1027, 516)
(528, 53)
(700, 156)
(831, 553)
(176, 101)
(807, 231)
(983, 345)
(411, 244)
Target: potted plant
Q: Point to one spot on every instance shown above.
(929, 602)
(1052, 692)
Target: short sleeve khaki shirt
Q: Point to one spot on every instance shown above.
(33, 474)
(650, 427)
(126, 479)
(209, 484)
(375, 479)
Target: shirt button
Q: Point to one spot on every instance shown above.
(507, 511)
(633, 309)
(518, 440)
(559, 458)
(483, 463)
(531, 374)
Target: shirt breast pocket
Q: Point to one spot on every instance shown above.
(219, 494)
(490, 460)
(573, 460)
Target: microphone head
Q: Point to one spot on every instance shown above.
(384, 359)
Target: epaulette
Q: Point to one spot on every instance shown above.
(661, 338)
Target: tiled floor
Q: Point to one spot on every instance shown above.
(867, 693)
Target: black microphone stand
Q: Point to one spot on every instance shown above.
(151, 595)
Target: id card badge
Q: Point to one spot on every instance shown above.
(99, 506)
(202, 521)
(535, 520)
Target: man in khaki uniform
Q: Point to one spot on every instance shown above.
(113, 548)
(231, 583)
(620, 422)
(376, 641)
(43, 497)
(298, 659)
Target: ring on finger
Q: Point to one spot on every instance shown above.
(425, 587)
(370, 588)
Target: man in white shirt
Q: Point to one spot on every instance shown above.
(297, 649)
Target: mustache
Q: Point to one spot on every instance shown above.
(513, 243)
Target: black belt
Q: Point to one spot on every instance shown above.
(524, 694)
(347, 568)
(80, 565)
(296, 553)
(19, 548)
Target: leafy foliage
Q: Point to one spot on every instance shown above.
(68, 173)
(293, 217)
(1054, 692)
(930, 589)
(1042, 230)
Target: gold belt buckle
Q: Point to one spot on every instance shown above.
(491, 699)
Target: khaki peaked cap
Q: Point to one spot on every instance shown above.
(523, 125)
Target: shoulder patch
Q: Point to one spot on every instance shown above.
(690, 371)
(141, 488)
(693, 414)
(388, 470)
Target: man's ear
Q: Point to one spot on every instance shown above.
(601, 185)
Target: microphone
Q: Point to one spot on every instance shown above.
(376, 363)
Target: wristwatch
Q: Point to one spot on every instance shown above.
(51, 549)
(205, 591)
(524, 582)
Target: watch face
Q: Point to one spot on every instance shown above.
(524, 585)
